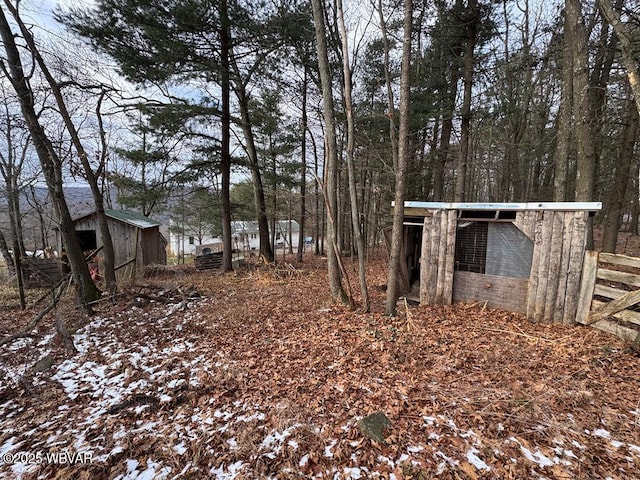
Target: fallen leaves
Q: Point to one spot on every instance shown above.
(256, 375)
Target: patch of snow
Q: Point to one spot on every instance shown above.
(600, 432)
(327, 449)
(536, 457)
(154, 471)
(578, 445)
(229, 473)
(354, 473)
(474, 460)
(9, 445)
(430, 421)
(249, 418)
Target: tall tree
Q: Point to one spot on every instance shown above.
(331, 153)
(225, 150)
(471, 18)
(397, 234)
(351, 142)
(622, 173)
(92, 177)
(626, 43)
(49, 160)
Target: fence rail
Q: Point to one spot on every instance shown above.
(610, 294)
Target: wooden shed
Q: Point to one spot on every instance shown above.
(522, 257)
(137, 240)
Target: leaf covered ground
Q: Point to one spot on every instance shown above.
(258, 375)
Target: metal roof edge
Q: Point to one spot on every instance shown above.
(565, 206)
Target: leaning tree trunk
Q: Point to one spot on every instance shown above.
(626, 45)
(6, 255)
(91, 177)
(51, 165)
(397, 243)
(351, 173)
(331, 156)
(258, 188)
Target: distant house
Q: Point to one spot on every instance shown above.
(137, 240)
(244, 236)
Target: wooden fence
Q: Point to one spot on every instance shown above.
(610, 294)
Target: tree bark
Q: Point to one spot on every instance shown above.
(397, 233)
(51, 167)
(91, 176)
(351, 173)
(564, 123)
(258, 189)
(331, 155)
(387, 79)
(303, 167)
(465, 125)
(615, 202)
(585, 161)
(626, 44)
(6, 255)
(225, 153)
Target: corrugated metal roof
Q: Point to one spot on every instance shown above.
(132, 218)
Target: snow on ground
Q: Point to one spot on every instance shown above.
(145, 406)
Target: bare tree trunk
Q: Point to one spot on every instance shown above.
(615, 203)
(351, 134)
(50, 163)
(465, 126)
(258, 188)
(225, 153)
(6, 255)
(331, 157)
(91, 176)
(397, 240)
(585, 161)
(626, 44)
(387, 79)
(303, 169)
(564, 123)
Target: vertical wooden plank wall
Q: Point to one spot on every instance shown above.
(576, 258)
(558, 251)
(438, 257)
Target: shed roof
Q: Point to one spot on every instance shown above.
(560, 206)
(129, 217)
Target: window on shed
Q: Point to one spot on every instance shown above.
(87, 239)
(493, 248)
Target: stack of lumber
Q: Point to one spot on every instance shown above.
(210, 261)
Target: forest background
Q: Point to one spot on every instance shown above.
(213, 111)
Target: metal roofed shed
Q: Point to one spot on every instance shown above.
(137, 240)
(522, 257)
